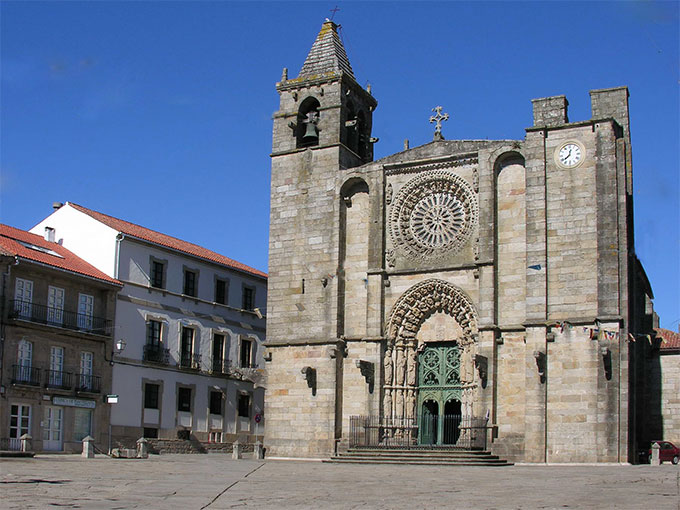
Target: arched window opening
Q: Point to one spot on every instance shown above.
(362, 136)
(307, 129)
(351, 128)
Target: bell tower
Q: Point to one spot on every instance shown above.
(322, 128)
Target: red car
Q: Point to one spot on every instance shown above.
(667, 451)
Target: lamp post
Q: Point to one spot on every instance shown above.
(113, 399)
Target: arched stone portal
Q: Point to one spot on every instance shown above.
(411, 311)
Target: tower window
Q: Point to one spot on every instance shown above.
(307, 130)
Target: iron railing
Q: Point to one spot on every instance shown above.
(220, 366)
(428, 431)
(88, 383)
(190, 361)
(23, 374)
(58, 379)
(41, 314)
(156, 354)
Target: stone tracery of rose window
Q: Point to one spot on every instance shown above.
(433, 215)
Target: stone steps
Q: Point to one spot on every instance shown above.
(420, 457)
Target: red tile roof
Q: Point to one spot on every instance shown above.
(152, 236)
(669, 339)
(19, 243)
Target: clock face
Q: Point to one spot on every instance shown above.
(570, 155)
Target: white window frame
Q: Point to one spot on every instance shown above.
(24, 360)
(23, 298)
(56, 377)
(85, 311)
(55, 305)
(15, 432)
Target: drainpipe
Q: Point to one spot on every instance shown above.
(116, 260)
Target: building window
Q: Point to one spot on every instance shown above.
(157, 274)
(150, 433)
(186, 348)
(85, 311)
(184, 400)
(216, 402)
(55, 305)
(151, 392)
(85, 379)
(221, 291)
(23, 298)
(24, 361)
(248, 298)
(244, 406)
(153, 333)
(246, 352)
(218, 362)
(56, 374)
(190, 283)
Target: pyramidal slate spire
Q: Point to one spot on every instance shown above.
(327, 54)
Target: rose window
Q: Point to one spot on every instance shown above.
(433, 215)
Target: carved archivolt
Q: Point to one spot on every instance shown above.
(426, 298)
(433, 215)
(401, 354)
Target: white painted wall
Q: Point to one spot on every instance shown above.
(88, 238)
(96, 243)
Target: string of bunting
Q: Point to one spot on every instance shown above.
(594, 333)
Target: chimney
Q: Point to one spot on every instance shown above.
(49, 234)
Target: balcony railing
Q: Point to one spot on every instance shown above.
(22, 374)
(88, 383)
(190, 361)
(58, 379)
(156, 354)
(220, 366)
(52, 316)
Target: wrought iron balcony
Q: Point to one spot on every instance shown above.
(58, 379)
(190, 361)
(156, 354)
(88, 383)
(220, 366)
(22, 374)
(41, 314)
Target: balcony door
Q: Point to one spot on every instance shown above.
(55, 305)
(85, 381)
(85, 311)
(53, 428)
(56, 374)
(23, 298)
(24, 361)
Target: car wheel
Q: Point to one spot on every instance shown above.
(676, 459)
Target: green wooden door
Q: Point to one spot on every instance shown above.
(438, 383)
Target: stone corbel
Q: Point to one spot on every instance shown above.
(334, 351)
(309, 375)
(267, 356)
(368, 371)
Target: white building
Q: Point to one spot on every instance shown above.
(190, 319)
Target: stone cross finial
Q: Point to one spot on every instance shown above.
(336, 9)
(438, 117)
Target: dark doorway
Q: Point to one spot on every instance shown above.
(452, 417)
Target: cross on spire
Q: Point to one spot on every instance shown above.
(334, 10)
(438, 117)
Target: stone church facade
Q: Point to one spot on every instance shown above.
(487, 279)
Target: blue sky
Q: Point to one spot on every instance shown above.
(160, 112)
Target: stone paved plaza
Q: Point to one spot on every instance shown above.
(217, 481)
